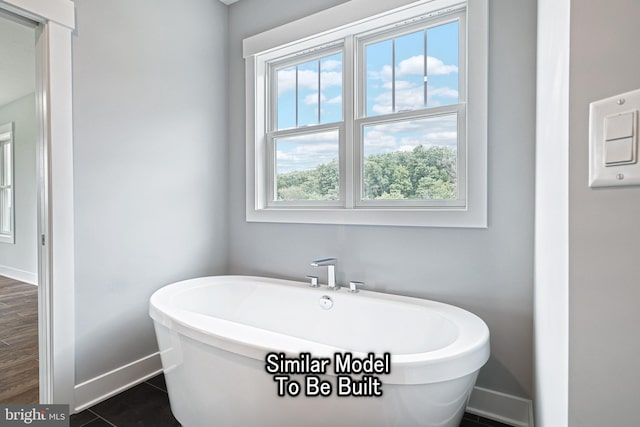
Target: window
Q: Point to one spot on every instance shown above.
(6, 184)
(375, 122)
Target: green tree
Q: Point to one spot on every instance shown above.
(423, 174)
(321, 183)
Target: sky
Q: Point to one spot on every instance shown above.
(325, 105)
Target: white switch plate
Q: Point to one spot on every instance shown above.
(606, 111)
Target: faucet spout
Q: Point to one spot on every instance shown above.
(323, 262)
(330, 263)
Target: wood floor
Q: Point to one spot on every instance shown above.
(18, 342)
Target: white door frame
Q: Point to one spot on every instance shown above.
(56, 301)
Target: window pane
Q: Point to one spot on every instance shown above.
(5, 211)
(5, 167)
(307, 167)
(411, 160)
(310, 93)
(308, 81)
(442, 65)
(410, 70)
(395, 71)
(8, 180)
(378, 77)
(286, 82)
(331, 89)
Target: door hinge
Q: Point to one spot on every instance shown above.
(42, 240)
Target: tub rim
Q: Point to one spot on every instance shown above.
(468, 352)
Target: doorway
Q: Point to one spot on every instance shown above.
(56, 282)
(19, 354)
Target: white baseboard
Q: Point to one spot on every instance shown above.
(502, 407)
(20, 275)
(111, 383)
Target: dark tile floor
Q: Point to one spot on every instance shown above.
(147, 405)
(471, 420)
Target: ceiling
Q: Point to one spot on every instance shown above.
(17, 60)
(228, 1)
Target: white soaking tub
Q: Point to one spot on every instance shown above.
(215, 335)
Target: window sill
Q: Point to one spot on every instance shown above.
(414, 217)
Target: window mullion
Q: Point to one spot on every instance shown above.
(297, 124)
(426, 70)
(319, 89)
(462, 59)
(2, 166)
(270, 168)
(393, 75)
(349, 168)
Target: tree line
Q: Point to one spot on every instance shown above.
(422, 173)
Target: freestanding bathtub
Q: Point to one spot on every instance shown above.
(215, 335)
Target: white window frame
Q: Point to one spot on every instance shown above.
(6, 137)
(272, 133)
(341, 23)
(459, 109)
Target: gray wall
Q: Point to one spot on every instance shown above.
(150, 163)
(489, 272)
(604, 267)
(23, 254)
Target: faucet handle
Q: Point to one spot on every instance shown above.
(353, 286)
(313, 281)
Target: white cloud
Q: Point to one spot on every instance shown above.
(312, 99)
(436, 67)
(330, 65)
(442, 136)
(406, 135)
(409, 96)
(414, 66)
(379, 141)
(335, 100)
(444, 92)
(330, 79)
(307, 151)
(307, 79)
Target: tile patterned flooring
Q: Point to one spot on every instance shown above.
(471, 420)
(18, 342)
(147, 405)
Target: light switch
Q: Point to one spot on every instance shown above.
(614, 141)
(618, 151)
(619, 126)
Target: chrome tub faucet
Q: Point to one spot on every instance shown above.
(330, 263)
